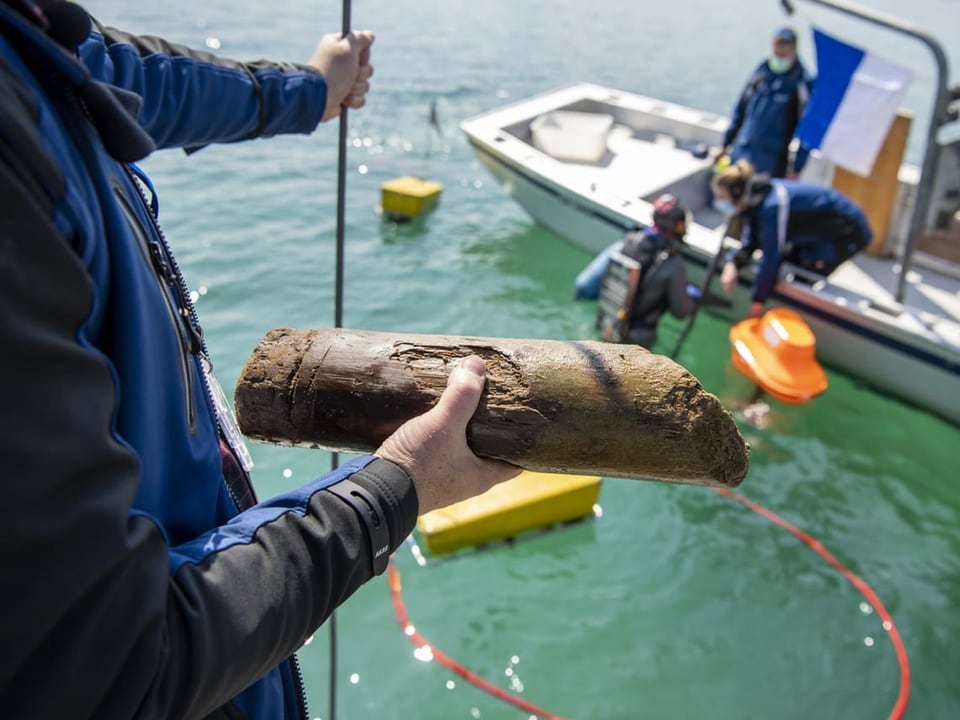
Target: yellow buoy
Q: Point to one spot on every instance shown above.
(407, 197)
(530, 501)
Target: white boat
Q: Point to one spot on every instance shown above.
(587, 161)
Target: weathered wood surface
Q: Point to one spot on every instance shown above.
(578, 407)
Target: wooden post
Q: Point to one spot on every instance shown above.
(579, 407)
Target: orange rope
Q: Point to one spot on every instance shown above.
(400, 610)
(393, 578)
(859, 583)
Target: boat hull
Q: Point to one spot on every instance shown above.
(579, 221)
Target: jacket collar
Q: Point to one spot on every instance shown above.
(113, 111)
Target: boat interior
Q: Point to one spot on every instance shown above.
(641, 155)
(636, 154)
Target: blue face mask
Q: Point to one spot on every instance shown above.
(779, 65)
(725, 207)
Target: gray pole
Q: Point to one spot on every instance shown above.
(338, 322)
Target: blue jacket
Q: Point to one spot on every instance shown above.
(788, 217)
(765, 118)
(140, 578)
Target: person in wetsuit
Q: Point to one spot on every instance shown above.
(663, 283)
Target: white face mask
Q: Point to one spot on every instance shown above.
(779, 65)
(725, 207)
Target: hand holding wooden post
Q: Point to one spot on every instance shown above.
(579, 407)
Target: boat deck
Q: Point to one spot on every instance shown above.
(641, 168)
(652, 166)
(932, 299)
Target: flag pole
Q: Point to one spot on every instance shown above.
(428, 142)
(433, 125)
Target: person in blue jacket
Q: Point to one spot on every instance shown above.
(142, 579)
(768, 110)
(813, 227)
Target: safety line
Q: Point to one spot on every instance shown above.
(859, 583)
(420, 642)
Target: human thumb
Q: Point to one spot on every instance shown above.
(464, 388)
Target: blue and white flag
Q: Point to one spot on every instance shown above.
(854, 102)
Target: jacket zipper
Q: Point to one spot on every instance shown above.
(168, 269)
(185, 314)
(154, 255)
(162, 269)
(298, 684)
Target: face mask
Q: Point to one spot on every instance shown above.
(724, 207)
(779, 65)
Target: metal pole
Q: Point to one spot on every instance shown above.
(338, 322)
(940, 116)
(341, 192)
(704, 289)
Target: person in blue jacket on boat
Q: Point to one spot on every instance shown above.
(142, 579)
(768, 110)
(814, 227)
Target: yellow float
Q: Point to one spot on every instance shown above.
(408, 197)
(530, 501)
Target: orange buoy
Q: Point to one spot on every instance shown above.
(777, 352)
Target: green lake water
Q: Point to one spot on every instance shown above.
(675, 602)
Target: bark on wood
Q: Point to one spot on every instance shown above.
(578, 407)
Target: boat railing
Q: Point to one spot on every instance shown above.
(942, 115)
